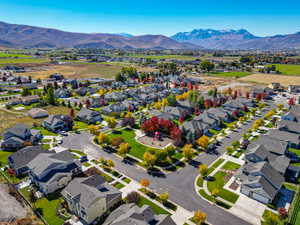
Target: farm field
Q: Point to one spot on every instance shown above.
(22, 60)
(10, 55)
(287, 69)
(180, 57)
(82, 70)
(270, 78)
(231, 74)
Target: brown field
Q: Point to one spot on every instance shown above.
(9, 119)
(270, 78)
(80, 70)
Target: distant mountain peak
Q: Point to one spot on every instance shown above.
(125, 35)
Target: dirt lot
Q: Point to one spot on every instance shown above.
(10, 208)
(270, 78)
(79, 70)
(12, 118)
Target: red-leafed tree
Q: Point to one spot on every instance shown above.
(189, 86)
(245, 108)
(182, 84)
(207, 103)
(291, 101)
(11, 172)
(259, 97)
(181, 119)
(282, 212)
(235, 113)
(72, 113)
(88, 103)
(197, 111)
(247, 95)
(176, 135)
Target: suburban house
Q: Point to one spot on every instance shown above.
(219, 114)
(289, 126)
(177, 112)
(208, 119)
(131, 214)
(57, 123)
(19, 160)
(26, 100)
(90, 197)
(116, 108)
(37, 113)
(293, 114)
(294, 88)
(89, 116)
(195, 128)
(260, 181)
(17, 136)
(291, 138)
(275, 86)
(62, 93)
(55, 171)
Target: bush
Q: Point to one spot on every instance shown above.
(117, 141)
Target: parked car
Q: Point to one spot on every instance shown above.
(83, 159)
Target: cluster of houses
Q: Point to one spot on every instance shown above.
(87, 197)
(268, 160)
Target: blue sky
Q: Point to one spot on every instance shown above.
(261, 17)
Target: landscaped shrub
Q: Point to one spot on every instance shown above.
(117, 141)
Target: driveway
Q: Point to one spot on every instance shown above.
(179, 184)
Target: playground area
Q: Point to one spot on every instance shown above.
(157, 141)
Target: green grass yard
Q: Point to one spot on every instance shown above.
(3, 157)
(219, 183)
(22, 60)
(136, 149)
(215, 165)
(11, 55)
(157, 209)
(288, 69)
(231, 166)
(47, 206)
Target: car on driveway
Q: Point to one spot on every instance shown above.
(83, 159)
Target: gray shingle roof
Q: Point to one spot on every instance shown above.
(88, 189)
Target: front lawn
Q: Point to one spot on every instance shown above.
(119, 185)
(296, 151)
(231, 166)
(215, 165)
(157, 209)
(47, 207)
(45, 132)
(78, 152)
(3, 157)
(136, 149)
(219, 183)
(81, 125)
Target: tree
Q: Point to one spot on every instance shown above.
(161, 155)
(172, 100)
(26, 91)
(203, 169)
(144, 183)
(280, 106)
(215, 193)
(123, 149)
(188, 152)
(207, 65)
(72, 113)
(110, 164)
(203, 142)
(271, 218)
(112, 122)
(93, 129)
(164, 197)
(170, 150)
(50, 96)
(199, 217)
(149, 159)
(32, 197)
(120, 77)
(102, 138)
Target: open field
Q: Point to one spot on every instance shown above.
(76, 71)
(12, 118)
(22, 60)
(270, 78)
(179, 57)
(82, 70)
(231, 74)
(9, 55)
(287, 69)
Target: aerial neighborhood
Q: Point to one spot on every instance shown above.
(154, 134)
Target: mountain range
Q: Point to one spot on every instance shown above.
(237, 39)
(24, 36)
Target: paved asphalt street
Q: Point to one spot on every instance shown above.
(179, 184)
